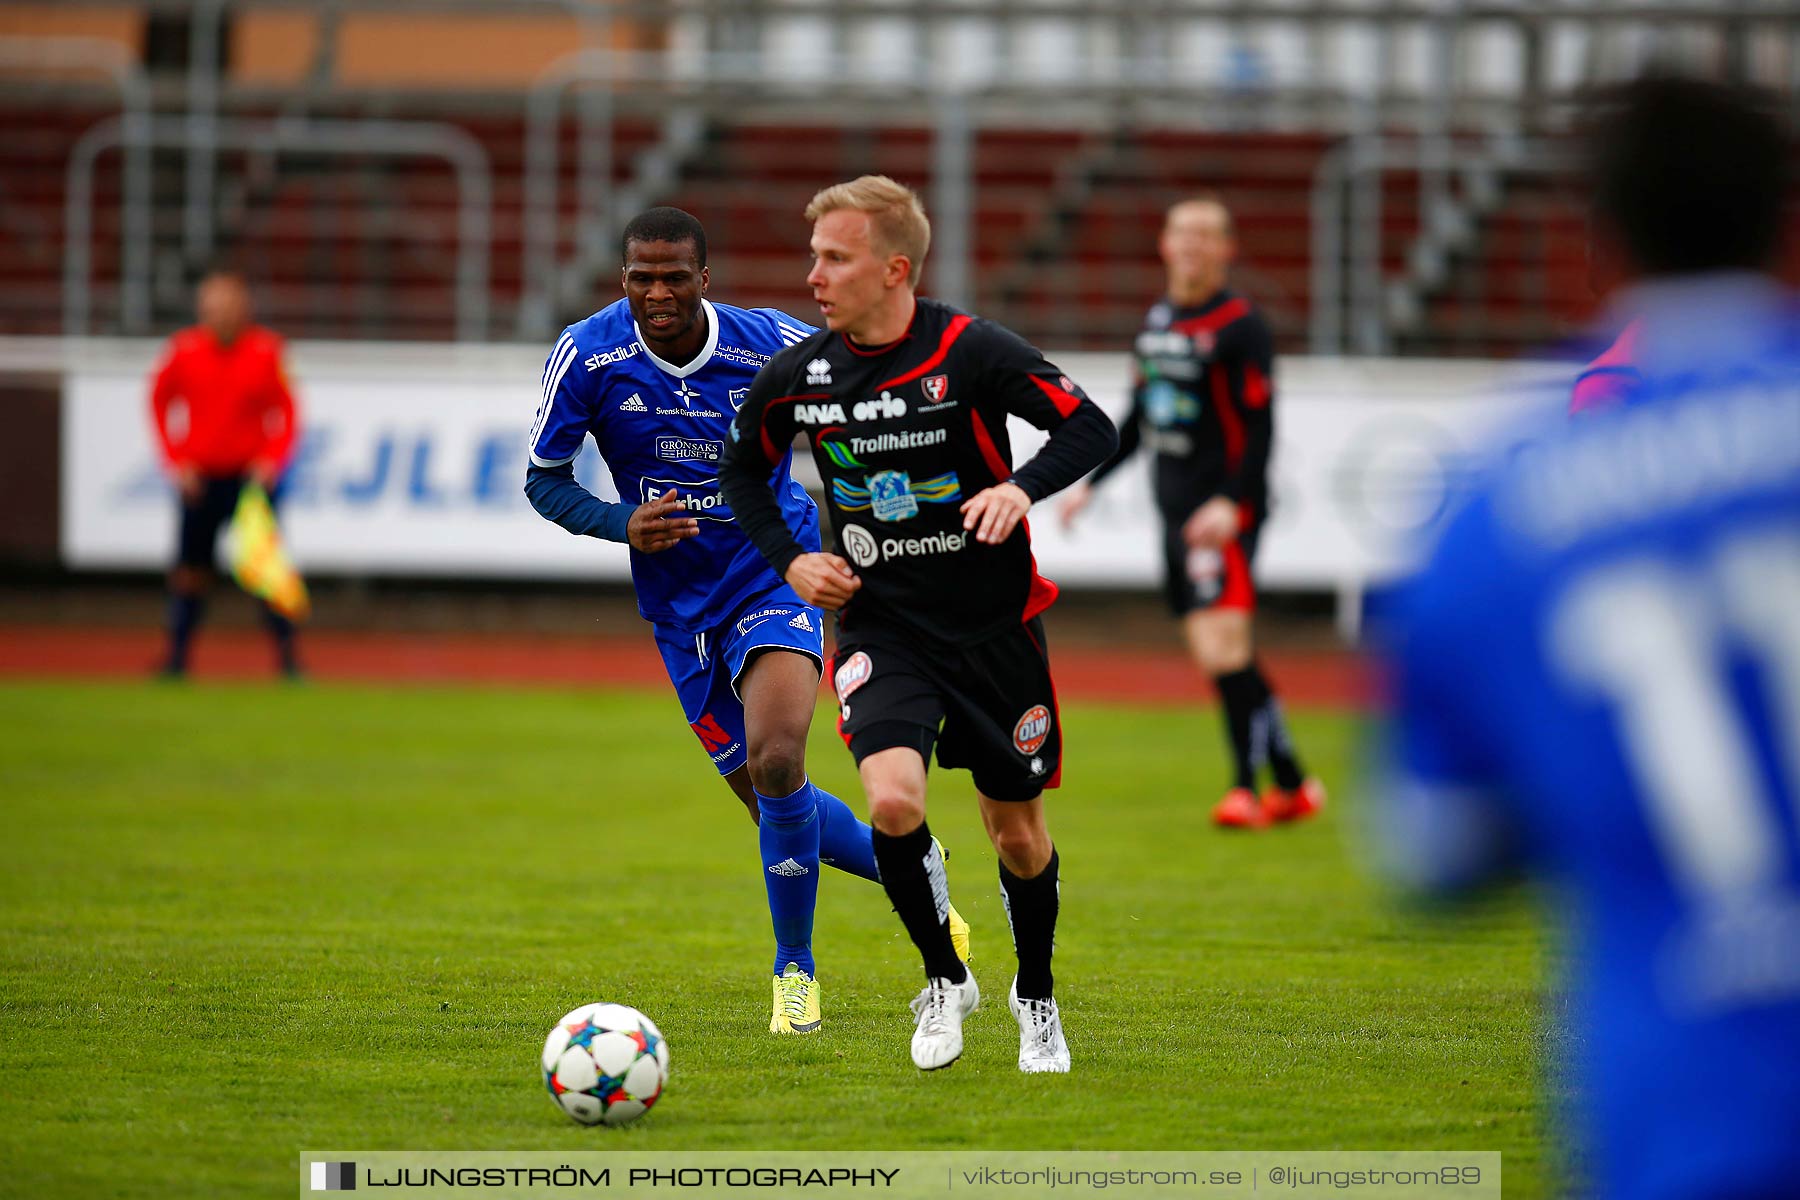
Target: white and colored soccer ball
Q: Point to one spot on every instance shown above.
(606, 1064)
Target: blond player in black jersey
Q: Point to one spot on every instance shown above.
(1204, 399)
(904, 402)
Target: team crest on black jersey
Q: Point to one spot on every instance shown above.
(936, 387)
(890, 496)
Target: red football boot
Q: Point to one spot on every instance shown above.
(1239, 810)
(1303, 802)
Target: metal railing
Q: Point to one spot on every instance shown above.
(64, 54)
(426, 139)
(1349, 289)
(1138, 62)
(604, 70)
(203, 87)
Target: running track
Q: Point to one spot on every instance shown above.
(1083, 671)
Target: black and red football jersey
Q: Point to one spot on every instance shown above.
(1203, 399)
(902, 435)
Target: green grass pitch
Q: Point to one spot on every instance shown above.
(244, 921)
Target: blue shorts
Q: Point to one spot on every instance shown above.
(705, 667)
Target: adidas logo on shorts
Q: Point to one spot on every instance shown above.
(800, 621)
(789, 868)
(635, 403)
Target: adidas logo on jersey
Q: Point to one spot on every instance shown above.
(788, 868)
(818, 371)
(800, 621)
(635, 403)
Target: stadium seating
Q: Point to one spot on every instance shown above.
(339, 247)
(1063, 231)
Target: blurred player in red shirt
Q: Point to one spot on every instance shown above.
(224, 417)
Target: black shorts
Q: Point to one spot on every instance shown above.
(1198, 579)
(990, 707)
(202, 520)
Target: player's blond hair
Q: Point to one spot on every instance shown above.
(897, 221)
(1203, 200)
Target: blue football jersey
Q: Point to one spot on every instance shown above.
(1597, 677)
(661, 427)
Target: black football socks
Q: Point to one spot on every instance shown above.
(1274, 739)
(1031, 906)
(1240, 694)
(912, 871)
(185, 612)
(281, 630)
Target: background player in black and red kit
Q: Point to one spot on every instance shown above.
(904, 402)
(1204, 398)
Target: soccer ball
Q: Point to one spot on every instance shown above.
(606, 1064)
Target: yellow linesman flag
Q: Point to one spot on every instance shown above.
(259, 561)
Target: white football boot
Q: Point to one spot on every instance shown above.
(940, 1008)
(1041, 1045)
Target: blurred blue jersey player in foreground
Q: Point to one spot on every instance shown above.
(655, 379)
(1598, 673)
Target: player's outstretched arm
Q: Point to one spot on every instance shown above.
(557, 497)
(1081, 441)
(1075, 502)
(163, 392)
(1444, 812)
(1130, 433)
(760, 435)
(281, 423)
(1081, 436)
(1028, 385)
(650, 527)
(1081, 493)
(1246, 353)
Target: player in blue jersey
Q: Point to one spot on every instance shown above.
(1597, 675)
(655, 380)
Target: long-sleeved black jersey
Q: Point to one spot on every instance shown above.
(1203, 389)
(902, 435)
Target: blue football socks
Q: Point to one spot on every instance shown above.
(788, 834)
(843, 839)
